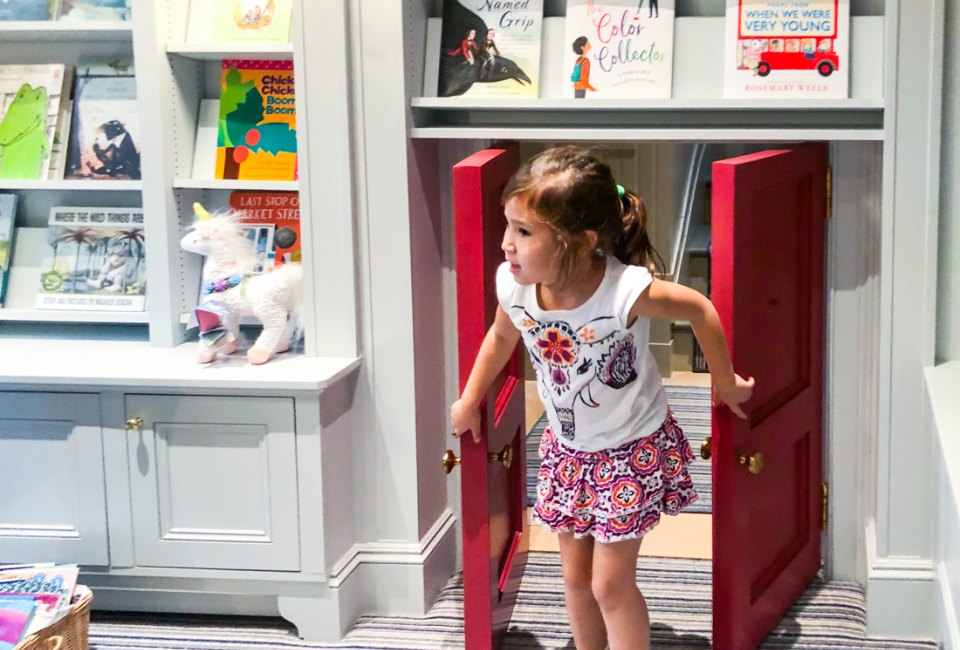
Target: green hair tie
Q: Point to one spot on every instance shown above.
(621, 191)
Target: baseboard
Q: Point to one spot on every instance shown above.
(900, 594)
(949, 625)
(395, 578)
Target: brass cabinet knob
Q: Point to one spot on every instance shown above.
(505, 457)
(706, 448)
(450, 460)
(754, 462)
(134, 424)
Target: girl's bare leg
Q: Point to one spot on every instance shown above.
(614, 586)
(586, 622)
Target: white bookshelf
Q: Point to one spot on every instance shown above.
(67, 30)
(218, 51)
(223, 184)
(70, 185)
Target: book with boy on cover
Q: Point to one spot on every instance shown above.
(795, 49)
(95, 260)
(257, 125)
(105, 126)
(272, 220)
(26, 10)
(31, 99)
(108, 10)
(618, 48)
(8, 209)
(490, 48)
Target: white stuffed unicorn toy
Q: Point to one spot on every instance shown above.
(231, 288)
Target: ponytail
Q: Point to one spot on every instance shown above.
(633, 246)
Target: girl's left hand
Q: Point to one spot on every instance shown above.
(734, 395)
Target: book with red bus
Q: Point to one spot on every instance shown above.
(787, 48)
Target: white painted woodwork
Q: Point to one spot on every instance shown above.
(53, 478)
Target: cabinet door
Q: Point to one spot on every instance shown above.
(213, 482)
(51, 479)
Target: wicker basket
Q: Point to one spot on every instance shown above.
(69, 633)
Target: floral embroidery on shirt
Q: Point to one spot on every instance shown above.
(587, 334)
(556, 347)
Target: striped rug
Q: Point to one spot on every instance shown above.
(691, 406)
(828, 616)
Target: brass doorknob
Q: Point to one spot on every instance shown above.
(754, 462)
(134, 424)
(505, 457)
(450, 460)
(706, 448)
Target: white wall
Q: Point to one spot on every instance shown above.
(944, 381)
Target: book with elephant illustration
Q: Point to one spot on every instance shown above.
(32, 97)
(257, 121)
(105, 128)
(95, 260)
(490, 49)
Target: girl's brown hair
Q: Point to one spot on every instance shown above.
(572, 191)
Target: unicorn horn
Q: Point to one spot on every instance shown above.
(201, 213)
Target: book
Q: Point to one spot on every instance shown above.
(105, 125)
(109, 10)
(272, 220)
(95, 260)
(50, 587)
(490, 48)
(31, 97)
(796, 49)
(57, 165)
(257, 123)
(25, 10)
(618, 49)
(8, 208)
(251, 20)
(16, 613)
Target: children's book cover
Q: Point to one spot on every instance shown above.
(618, 48)
(105, 126)
(273, 224)
(25, 10)
(51, 589)
(8, 209)
(30, 102)
(16, 613)
(787, 48)
(96, 260)
(257, 125)
(251, 20)
(109, 10)
(490, 48)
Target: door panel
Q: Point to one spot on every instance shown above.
(55, 508)
(768, 229)
(214, 482)
(495, 535)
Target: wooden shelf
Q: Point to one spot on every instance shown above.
(65, 30)
(217, 51)
(220, 184)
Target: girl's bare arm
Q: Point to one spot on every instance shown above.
(673, 301)
(495, 351)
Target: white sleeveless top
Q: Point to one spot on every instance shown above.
(597, 378)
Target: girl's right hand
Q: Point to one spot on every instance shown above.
(465, 416)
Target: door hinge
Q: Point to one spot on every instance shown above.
(824, 505)
(829, 192)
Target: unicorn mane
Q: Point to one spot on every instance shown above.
(232, 246)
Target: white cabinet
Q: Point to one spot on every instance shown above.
(213, 482)
(52, 479)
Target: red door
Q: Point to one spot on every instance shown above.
(768, 226)
(495, 539)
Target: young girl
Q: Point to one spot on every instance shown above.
(577, 287)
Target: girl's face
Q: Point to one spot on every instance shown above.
(529, 245)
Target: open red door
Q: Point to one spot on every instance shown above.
(495, 538)
(769, 212)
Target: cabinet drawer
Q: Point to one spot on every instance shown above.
(51, 477)
(214, 482)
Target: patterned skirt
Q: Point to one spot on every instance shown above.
(614, 494)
